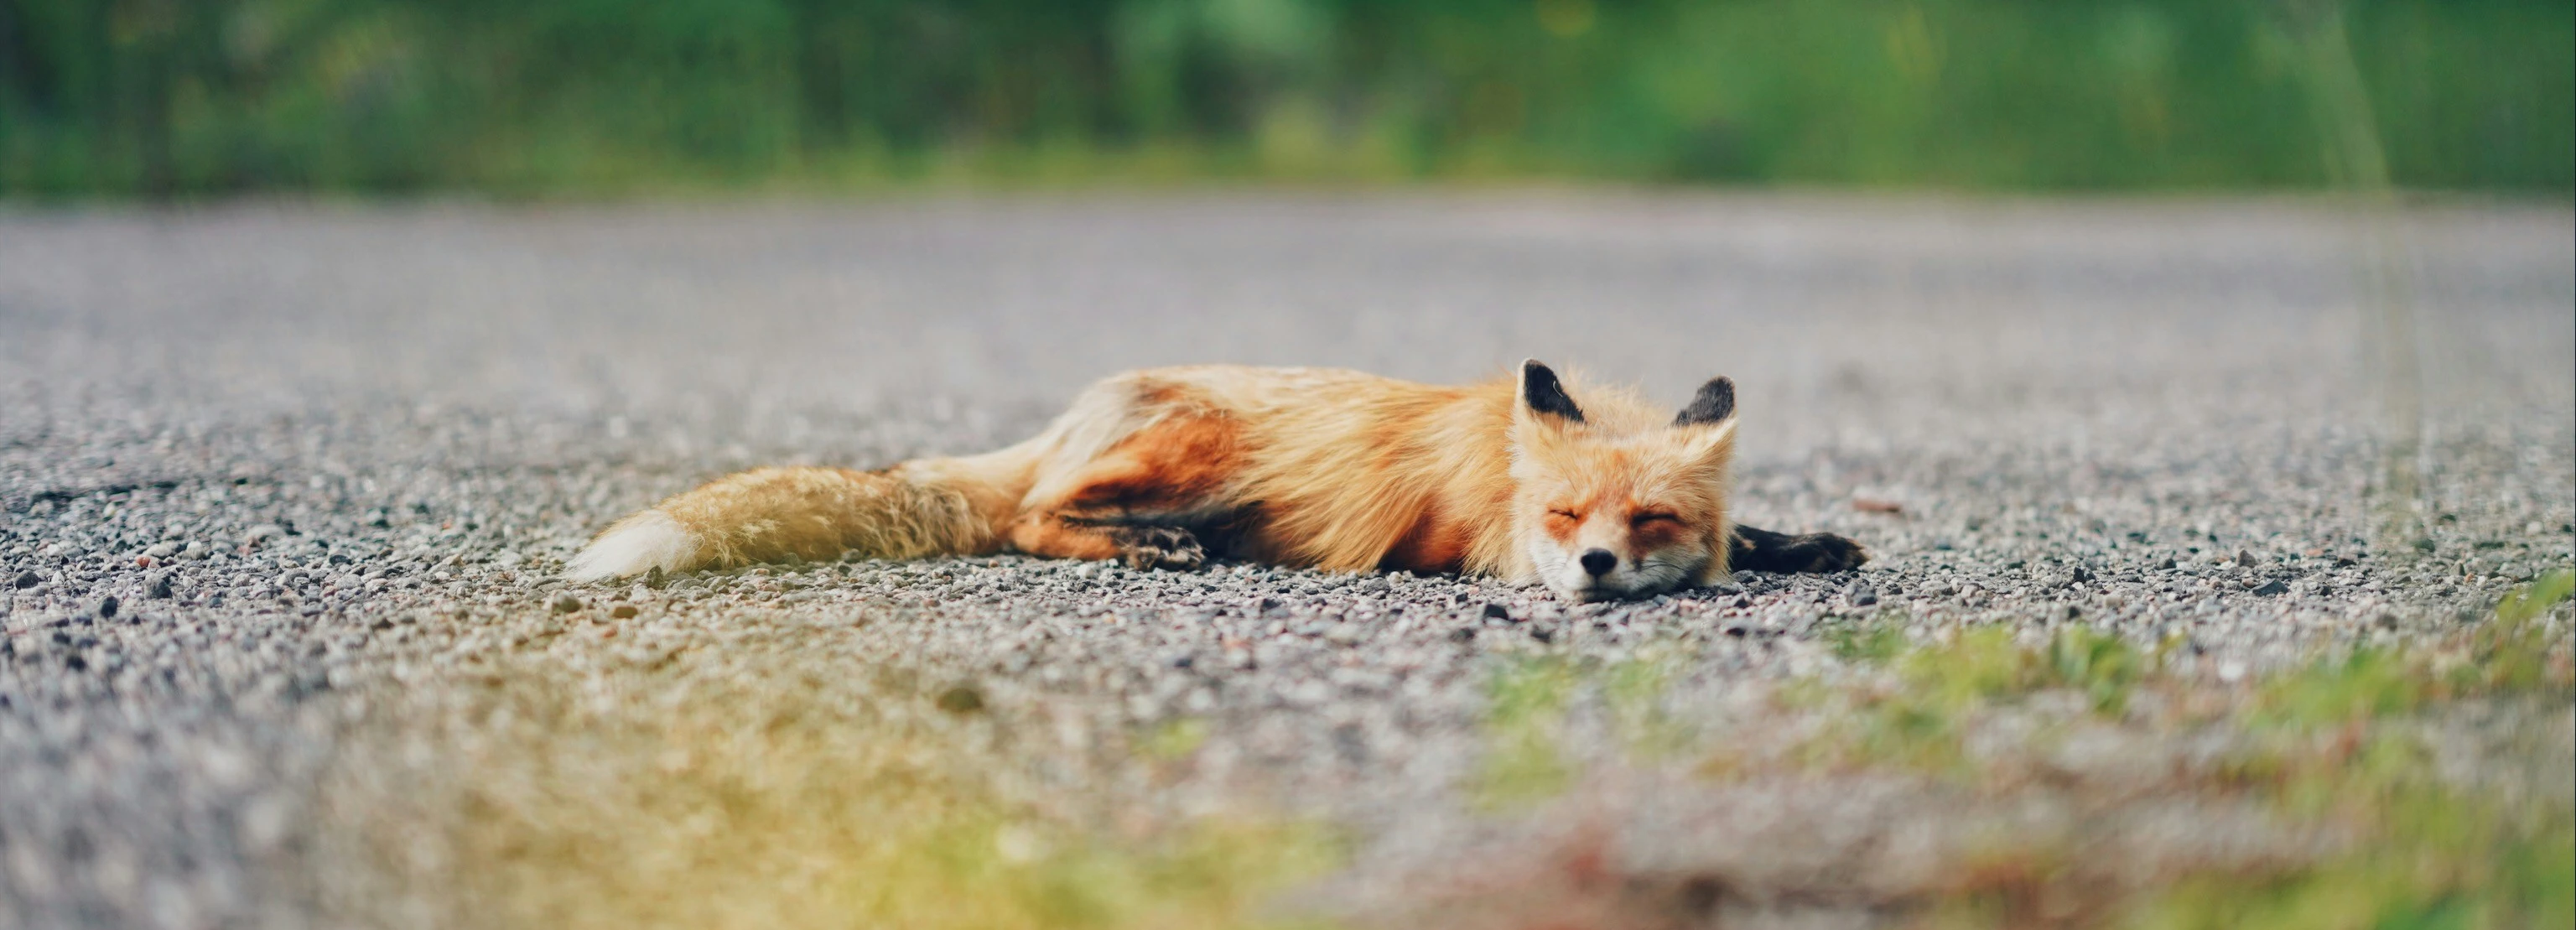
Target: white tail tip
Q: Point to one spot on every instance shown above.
(635, 545)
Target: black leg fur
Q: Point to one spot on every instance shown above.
(1146, 547)
(1766, 551)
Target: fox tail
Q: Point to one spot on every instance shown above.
(910, 511)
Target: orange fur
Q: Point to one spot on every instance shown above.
(1319, 468)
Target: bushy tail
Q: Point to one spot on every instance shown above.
(775, 514)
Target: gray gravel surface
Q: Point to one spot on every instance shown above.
(261, 464)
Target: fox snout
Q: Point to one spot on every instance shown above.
(1612, 569)
(1598, 562)
(1604, 552)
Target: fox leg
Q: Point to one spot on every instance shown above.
(1766, 551)
(1138, 501)
(1062, 536)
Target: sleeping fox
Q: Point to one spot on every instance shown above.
(1597, 498)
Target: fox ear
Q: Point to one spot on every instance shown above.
(1714, 403)
(1543, 394)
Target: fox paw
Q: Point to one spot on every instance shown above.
(1826, 552)
(1145, 547)
(1766, 551)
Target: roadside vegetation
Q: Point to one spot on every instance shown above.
(159, 97)
(2418, 786)
(665, 796)
(2042, 777)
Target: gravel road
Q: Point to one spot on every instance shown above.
(265, 470)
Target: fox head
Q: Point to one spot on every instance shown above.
(1619, 505)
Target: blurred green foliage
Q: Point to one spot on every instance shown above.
(177, 96)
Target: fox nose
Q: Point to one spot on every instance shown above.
(1599, 562)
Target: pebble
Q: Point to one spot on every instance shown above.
(961, 699)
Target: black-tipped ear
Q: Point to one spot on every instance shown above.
(1714, 403)
(1544, 394)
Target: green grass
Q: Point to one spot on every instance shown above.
(2428, 857)
(2425, 853)
(1524, 724)
(2513, 654)
(567, 798)
(1917, 723)
(2341, 746)
(1875, 641)
(558, 796)
(590, 97)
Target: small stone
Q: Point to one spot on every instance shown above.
(1462, 634)
(2245, 557)
(2424, 544)
(566, 603)
(161, 550)
(961, 699)
(1860, 595)
(2272, 587)
(197, 549)
(161, 590)
(2081, 574)
(107, 607)
(622, 611)
(262, 533)
(1492, 611)
(377, 519)
(27, 580)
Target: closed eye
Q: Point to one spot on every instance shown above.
(1644, 519)
(1568, 514)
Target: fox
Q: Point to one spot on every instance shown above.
(1534, 479)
